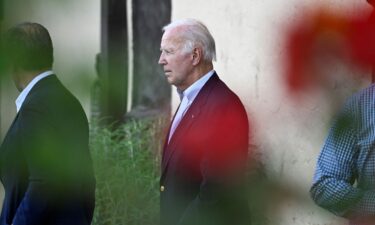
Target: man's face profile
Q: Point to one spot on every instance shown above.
(177, 63)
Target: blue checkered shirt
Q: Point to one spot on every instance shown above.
(344, 180)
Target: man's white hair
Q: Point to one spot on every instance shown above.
(195, 34)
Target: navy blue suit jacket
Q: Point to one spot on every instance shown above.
(204, 163)
(45, 165)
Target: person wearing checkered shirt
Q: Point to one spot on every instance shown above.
(344, 180)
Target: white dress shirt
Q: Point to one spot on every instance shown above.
(21, 98)
(187, 97)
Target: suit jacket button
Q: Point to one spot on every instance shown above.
(162, 188)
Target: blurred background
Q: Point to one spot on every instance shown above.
(106, 53)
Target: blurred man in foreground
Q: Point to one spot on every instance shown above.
(45, 165)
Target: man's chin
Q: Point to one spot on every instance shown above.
(169, 79)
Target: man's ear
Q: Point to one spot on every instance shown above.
(197, 56)
(16, 77)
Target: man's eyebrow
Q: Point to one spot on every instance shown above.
(166, 49)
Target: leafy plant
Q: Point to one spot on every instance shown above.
(126, 165)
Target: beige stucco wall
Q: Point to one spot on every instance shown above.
(288, 135)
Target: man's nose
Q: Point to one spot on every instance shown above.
(161, 59)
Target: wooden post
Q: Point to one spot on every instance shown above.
(114, 60)
(151, 95)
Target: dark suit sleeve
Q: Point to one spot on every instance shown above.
(222, 168)
(44, 157)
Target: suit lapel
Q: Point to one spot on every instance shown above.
(168, 132)
(187, 121)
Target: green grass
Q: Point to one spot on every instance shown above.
(127, 169)
(126, 163)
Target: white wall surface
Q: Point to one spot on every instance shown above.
(288, 135)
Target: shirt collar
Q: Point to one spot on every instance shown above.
(191, 92)
(21, 98)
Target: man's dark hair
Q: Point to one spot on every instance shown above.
(28, 46)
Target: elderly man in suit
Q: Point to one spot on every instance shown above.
(206, 147)
(45, 165)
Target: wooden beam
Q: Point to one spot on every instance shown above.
(114, 59)
(151, 93)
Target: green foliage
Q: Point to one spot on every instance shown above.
(126, 164)
(127, 169)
